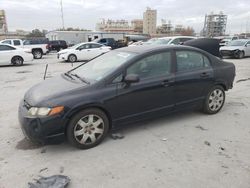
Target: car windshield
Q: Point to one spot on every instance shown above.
(157, 41)
(75, 46)
(101, 66)
(237, 43)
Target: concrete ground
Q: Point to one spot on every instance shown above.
(190, 149)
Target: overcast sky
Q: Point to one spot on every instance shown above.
(46, 14)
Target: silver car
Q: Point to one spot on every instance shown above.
(236, 48)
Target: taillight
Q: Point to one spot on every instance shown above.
(47, 46)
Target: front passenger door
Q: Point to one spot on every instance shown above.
(152, 95)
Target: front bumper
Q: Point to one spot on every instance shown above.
(63, 57)
(232, 53)
(41, 129)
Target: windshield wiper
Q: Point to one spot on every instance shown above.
(68, 75)
(81, 78)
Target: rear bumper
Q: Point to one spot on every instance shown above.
(41, 129)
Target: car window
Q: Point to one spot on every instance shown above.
(84, 46)
(96, 45)
(6, 48)
(152, 66)
(175, 41)
(6, 41)
(103, 40)
(185, 39)
(189, 60)
(17, 43)
(248, 42)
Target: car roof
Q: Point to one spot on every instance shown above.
(175, 37)
(151, 48)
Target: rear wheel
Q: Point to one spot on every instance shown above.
(17, 60)
(88, 128)
(214, 100)
(38, 54)
(72, 58)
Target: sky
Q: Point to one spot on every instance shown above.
(46, 14)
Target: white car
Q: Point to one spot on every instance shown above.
(175, 40)
(12, 55)
(82, 51)
(236, 48)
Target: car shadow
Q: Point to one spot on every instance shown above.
(132, 128)
(24, 65)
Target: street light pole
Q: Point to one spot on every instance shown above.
(62, 14)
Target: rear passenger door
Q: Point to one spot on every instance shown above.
(194, 75)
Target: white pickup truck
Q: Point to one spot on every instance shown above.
(38, 47)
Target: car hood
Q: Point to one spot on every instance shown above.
(50, 89)
(65, 51)
(231, 48)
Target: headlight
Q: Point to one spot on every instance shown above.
(45, 111)
(62, 53)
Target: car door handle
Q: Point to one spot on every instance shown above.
(167, 83)
(204, 75)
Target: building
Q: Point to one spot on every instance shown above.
(137, 25)
(165, 28)
(149, 21)
(75, 37)
(3, 22)
(114, 26)
(215, 25)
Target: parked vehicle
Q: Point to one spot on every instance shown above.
(82, 51)
(57, 45)
(236, 48)
(12, 55)
(107, 42)
(38, 47)
(123, 86)
(210, 45)
(169, 40)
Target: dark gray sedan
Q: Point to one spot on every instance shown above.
(123, 86)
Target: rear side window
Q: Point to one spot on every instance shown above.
(6, 42)
(152, 66)
(6, 48)
(96, 45)
(17, 43)
(190, 60)
(103, 40)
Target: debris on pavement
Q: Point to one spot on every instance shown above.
(201, 128)
(61, 169)
(56, 181)
(115, 136)
(221, 148)
(43, 169)
(43, 150)
(242, 80)
(207, 143)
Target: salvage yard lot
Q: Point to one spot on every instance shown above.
(187, 149)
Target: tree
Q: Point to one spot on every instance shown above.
(36, 33)
(189, 31)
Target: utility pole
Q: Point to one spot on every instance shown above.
(62, 14)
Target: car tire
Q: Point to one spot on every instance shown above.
(241, 55)
(17, 61)
(214, 100)
(37, 54)
(72, 58)
(87, 128)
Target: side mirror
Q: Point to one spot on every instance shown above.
(131, 78)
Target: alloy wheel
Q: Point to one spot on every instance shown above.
(89, 129)
(216, 100)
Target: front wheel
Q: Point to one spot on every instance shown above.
(88, 128)
(214, 100)
(37, 54)
(72, 58)
(240, 55)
